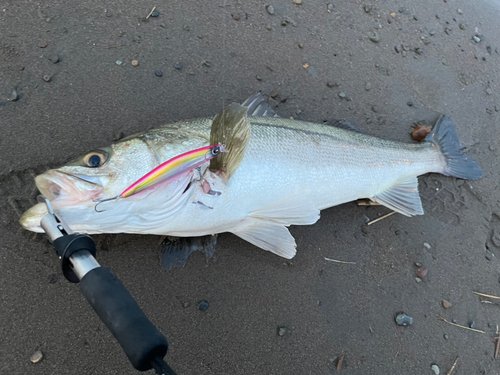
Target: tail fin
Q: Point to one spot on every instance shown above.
(458, 163)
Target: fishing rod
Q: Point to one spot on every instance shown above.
(144, 345)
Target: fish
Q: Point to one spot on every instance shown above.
(278, 172)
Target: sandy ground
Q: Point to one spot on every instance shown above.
(328, 309)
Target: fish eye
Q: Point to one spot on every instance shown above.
(94, 159)
(216, 150)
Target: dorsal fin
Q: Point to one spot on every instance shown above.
(258, 106)
(230, 128)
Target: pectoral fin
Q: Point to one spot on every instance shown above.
(402, 197)
(266, 228)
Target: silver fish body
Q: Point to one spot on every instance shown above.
(290, 170)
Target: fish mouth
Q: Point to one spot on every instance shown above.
(62, 190)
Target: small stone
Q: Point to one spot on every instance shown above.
(432, 32)
(418, 280)
(186, 304)
(42, 44)
(288, 21)
(425, 40)
(274, 94)
(415, 18)
(155, 13)
(367, 8)
(403, 53)
(186, 27)
(269, 27)
(417, 264)
(203, 306)
(427, 245)
(404, 320)
(421, 272)
(489, 256)
(13, 96)
(342, 95)
(419, 132)
(476, 39)
(454, 321)
(447, 30)
(397, 48)
(446, 304)
(258, 78)
(472, 324)
(118, 62)
(159, 73)
(374, 37)
(135, 63)
(368, 86)
(332, 84)
(409, 104)
(297, 1)
(445, 336)
(270, 9)
(330, 7)
(36, 357)
(437, 16)
(459, 11)
(375, 108)
(282, 331)
(47, 78)
(301, 45)
(235, 16)
(461, 26)
(54, 59)
(489, 91)
(178, 66)
(298, 112)
(393, 15)
(488, 49)
(435, 369)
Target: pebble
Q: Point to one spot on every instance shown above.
(301, 45)
(281, 331)
(476, 39)
(418, 280)
(374, 37)
(404, 320)
(417, 264)
(488, 49)
(178, 66)
(330, 7)
(155, 13)
(13, 96)
(397, 48)
(419, 132)
(461, 26)
(472, 324)
(118, 62)
(421, 272)
(342, 95)
(432, 32)
(42, 44)
(489, 256)
(135, 63)
(415, 18)
(427, 245)
(368, 86)
(447, 30)
(258, 78)
(403, 53)
(409, 104)
(46, 78)
(54, 59)
(367, 8)
(445, 336)
(185, 304)
(436, 369)
(159, 73)
(288, 21)
(235, 16)
(489, 91)
(446, 304)
(36, 356)
(203, 306)
(459, 11)
(393, 15)
(297, 1)
(375, 108)
(270, 9)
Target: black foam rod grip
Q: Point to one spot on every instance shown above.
(139, 338)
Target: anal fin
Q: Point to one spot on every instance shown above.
(402, 197)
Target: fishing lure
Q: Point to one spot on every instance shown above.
(170, 169)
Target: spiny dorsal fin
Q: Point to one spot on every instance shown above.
(230, 128)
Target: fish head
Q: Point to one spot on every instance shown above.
(76, 188)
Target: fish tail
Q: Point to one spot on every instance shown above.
(457, 162)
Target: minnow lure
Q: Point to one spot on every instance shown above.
(170, 169)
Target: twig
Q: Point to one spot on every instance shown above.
(339, 363)
(458, 325)
(486, 295)
(368, 203)
(496, 348)
(370, 326)
(150, 13)
(339, 261)
(382, 217)
(453, 367)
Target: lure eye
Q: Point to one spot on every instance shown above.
(216, 151)
(94, 159)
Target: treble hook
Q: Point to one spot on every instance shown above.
(99, 201)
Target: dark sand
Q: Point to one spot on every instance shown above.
(328, 308)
